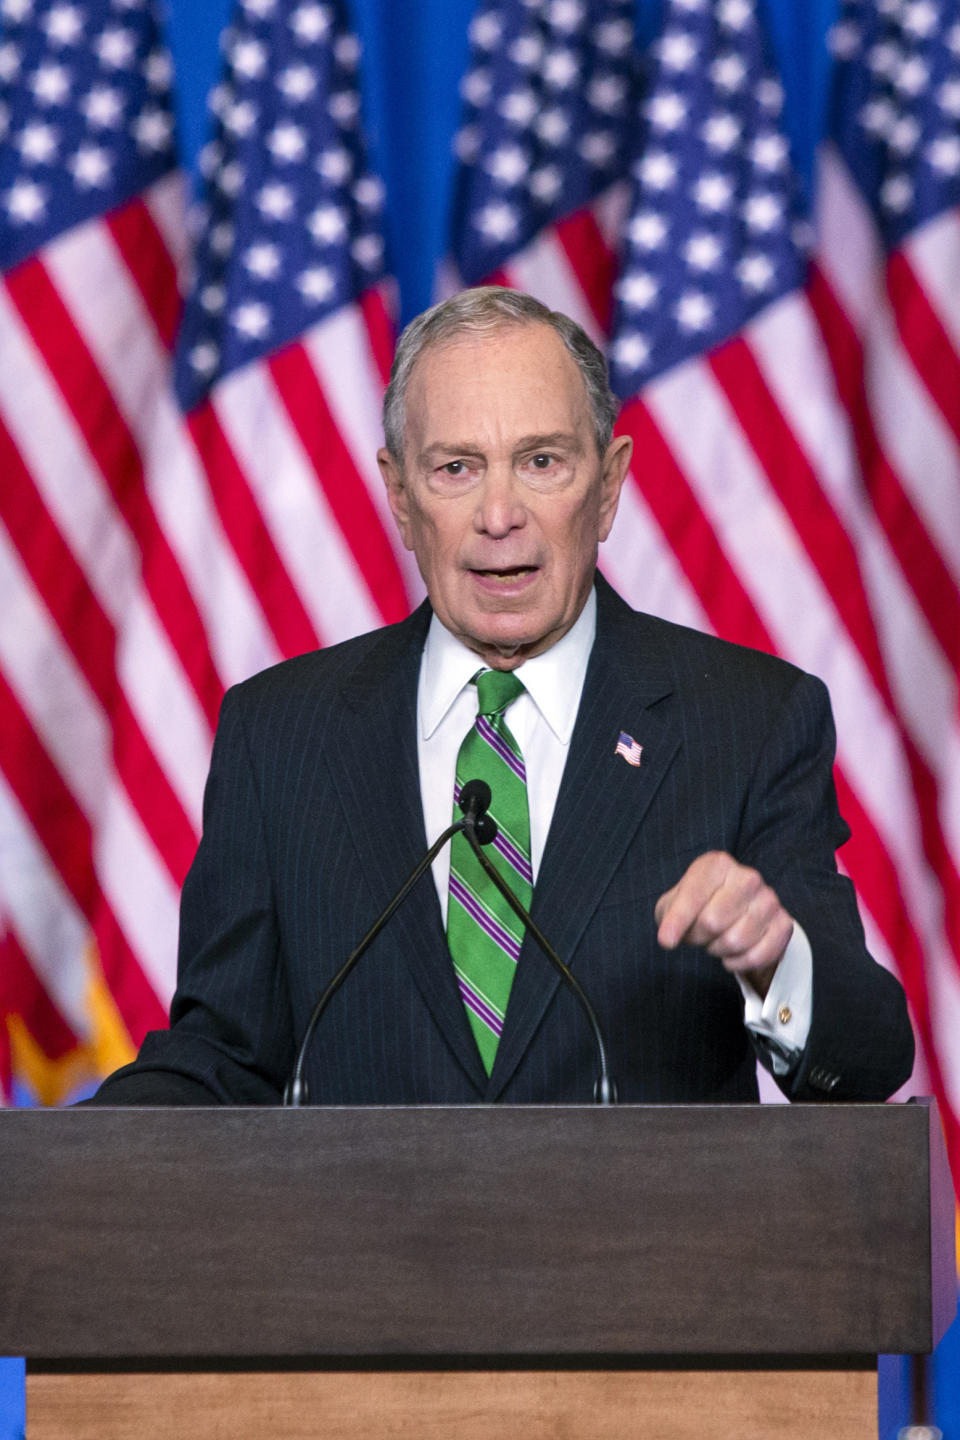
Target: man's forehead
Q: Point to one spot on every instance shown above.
(509, 368)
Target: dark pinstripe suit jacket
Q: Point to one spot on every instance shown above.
(313, 818)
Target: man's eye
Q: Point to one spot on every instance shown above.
(455, 467)
(541, 462)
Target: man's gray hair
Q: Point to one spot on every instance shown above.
(481, 311)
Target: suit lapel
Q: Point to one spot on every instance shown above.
(601, 802)
(384, 813)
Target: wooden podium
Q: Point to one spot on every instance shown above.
(464, 1272)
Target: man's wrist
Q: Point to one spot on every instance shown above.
(783, 1015)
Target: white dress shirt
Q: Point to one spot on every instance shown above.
(542, 721)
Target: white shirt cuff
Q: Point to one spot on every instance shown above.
(783, 1015)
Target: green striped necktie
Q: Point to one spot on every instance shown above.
(483, 933)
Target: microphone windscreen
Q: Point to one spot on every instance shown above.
(475, 794)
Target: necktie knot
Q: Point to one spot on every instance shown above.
(496, 689)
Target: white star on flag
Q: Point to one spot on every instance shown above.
(327, 224)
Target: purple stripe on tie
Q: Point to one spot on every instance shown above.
(480, 1007)
(501, 747)
(514, 857)
(500, 937)
(505, 846)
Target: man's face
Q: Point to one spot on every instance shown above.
(502, 496)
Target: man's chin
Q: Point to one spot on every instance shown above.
(504, 647)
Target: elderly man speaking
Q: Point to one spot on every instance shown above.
(664, 801)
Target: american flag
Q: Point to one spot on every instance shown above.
(550, 101)
(629, 748)
(886, 298)
(189, 493)
(791, 382)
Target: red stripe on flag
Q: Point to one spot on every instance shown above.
(6, 1060)
(90, 636)
(723, 598)
(149, 261)
(113, 448)
(829, 547)
(689, 533)
(247, 532)
(919, 558)
(876, 880)
(593, 262)
(791, 477)
(60, 583)
(138, 1005)
(925, 340)
(65, 834)
(379, 330)
(151, 794)
(935, 845)
(22, 993)
(346, 493)
(59, 822)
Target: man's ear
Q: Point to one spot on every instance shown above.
(397, 497)
(613, 472)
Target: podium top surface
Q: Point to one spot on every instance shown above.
(481, 1231)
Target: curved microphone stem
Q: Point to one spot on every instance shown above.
(295, 1092)
(605, 1089)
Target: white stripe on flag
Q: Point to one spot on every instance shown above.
(848, 247)
(910, 428)
(544, 269)
(51, 930)
(641, 565)
(923, 684)
(81, 507)
(66, 478)
(76, 735)
(293, 505)
(143, 897)
(914, 436)
(934, 255)
(107, 308)
(339, 352)
(778, 574)
(49, 687)
(167, 203)
(611, 211)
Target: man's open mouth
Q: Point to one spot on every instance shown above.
(513, 572)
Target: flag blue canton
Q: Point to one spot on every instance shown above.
(86, 119)
(289, 223)
(896, 113)
(550, 97)
(715, 231)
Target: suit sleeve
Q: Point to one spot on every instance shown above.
(860, 1045)
(230, 1036)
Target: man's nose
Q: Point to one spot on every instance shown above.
(500, 503)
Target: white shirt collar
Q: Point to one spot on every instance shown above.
(554, 680)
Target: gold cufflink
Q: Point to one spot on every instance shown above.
(784, 1014)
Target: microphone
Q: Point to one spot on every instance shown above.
(605, 1088)
(474, 802)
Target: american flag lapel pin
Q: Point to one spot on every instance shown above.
(629, 749)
